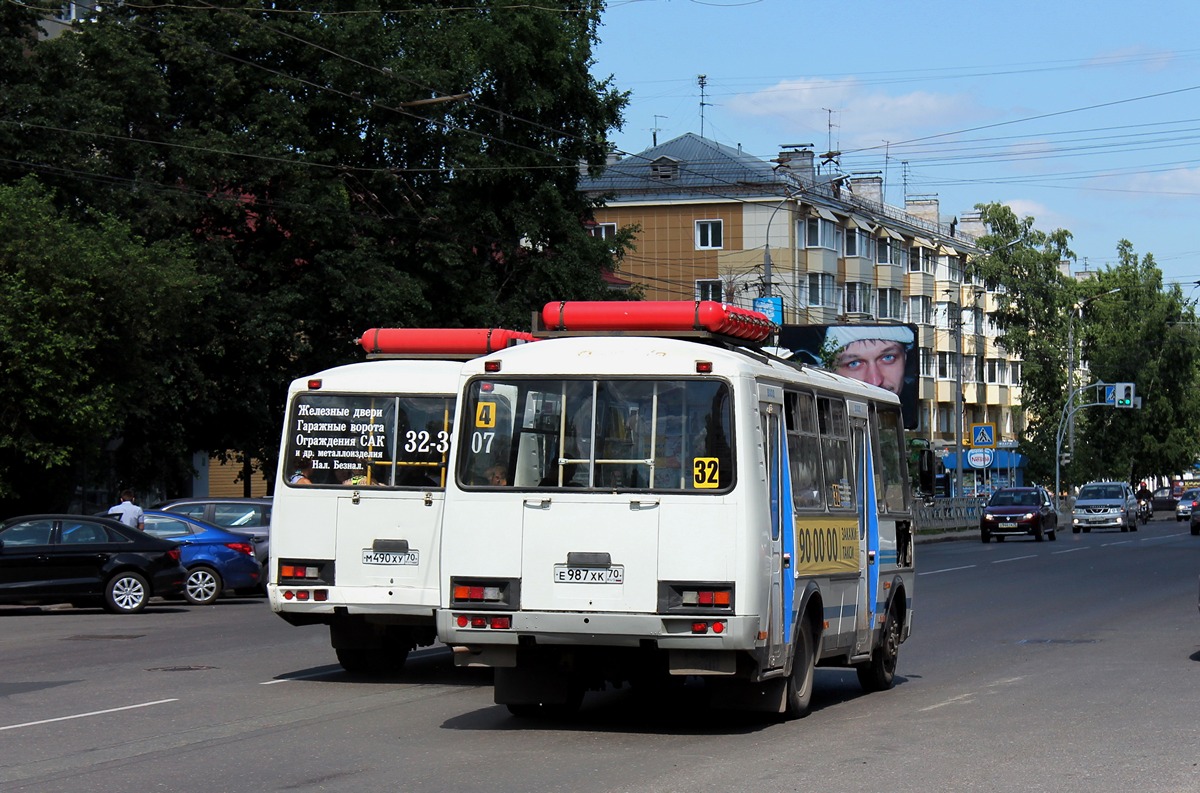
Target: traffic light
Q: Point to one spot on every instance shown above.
(1125, 395)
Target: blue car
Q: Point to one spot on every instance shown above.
(216, 560)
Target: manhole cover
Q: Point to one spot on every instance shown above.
(179, 668)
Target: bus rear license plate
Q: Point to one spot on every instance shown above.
(1008, 525)
(391, 557)
(589, 575)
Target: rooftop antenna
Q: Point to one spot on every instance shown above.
(887, 146)
(831, 155)
(904, 174)
(703, 82)
(656, 129)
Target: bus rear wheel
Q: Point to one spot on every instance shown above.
(800, 681)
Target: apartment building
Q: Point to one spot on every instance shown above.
(715, 223)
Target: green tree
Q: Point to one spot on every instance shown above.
(350, 165)
(1033, 299)
(93, 349)
(1146, 334)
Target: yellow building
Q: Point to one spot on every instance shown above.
(714, 223)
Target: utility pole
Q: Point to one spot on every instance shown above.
(958, 405)
(703, 81)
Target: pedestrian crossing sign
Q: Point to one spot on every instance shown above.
(983, 436)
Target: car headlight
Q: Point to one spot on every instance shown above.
(988, 516)
(1028, 516)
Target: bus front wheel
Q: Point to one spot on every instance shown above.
(879, 674)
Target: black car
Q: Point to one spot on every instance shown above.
(84, 561)
(1019, 511)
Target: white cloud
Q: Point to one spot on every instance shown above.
(861, 117)
(1179, 183)
(1044, 217)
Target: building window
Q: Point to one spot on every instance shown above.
(664, 169)
(821, 290)
(890, 304)
(973, 320)
(946, 314)
(997, 371)
(1014, 372)
(920, 259)
(888, 251)
(822, 233)
(858, 298)
(920, 308)
(927, 358)
(605, 231)
(954, 265)
(971, 368)
(860, 243)
(946, 369)
(708, 235)
(710, 289)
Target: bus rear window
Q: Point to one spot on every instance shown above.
(361, 440)
(598, 434)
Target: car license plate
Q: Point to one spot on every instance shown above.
(391, 557)
(1008, 525)
(589, 575)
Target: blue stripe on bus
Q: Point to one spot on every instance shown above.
(788, 530)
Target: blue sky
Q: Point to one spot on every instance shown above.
(1085, 115)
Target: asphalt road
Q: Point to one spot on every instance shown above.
(1056, 666)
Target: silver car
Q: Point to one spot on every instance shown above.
(1104, 505)
(1187, 500)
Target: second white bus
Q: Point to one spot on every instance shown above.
(358, 500)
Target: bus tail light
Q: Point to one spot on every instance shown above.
(479, 593)
(306, 571)
(695, 597)
(702, 627)
(496, 622)
(305, 595)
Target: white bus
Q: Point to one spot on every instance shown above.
(358, 499)
(674, 507)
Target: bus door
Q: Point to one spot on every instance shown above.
(779, 501)
(389, 538)
(589, 552)
(868, 526)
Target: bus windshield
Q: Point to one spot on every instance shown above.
(600, 434)
(355, 440)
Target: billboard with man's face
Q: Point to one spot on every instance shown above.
(882, 355)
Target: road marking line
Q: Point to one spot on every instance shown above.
(947, 570)
(951, 701)
(1014, 559)
(84, 715)
(1070, 550)
(1119, 542)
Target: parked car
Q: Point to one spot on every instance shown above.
(84, 561)
(1194, 518)
(250, 517)
(1105, 505)
(216, 559)
(1186, 504)
(1019, 511)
